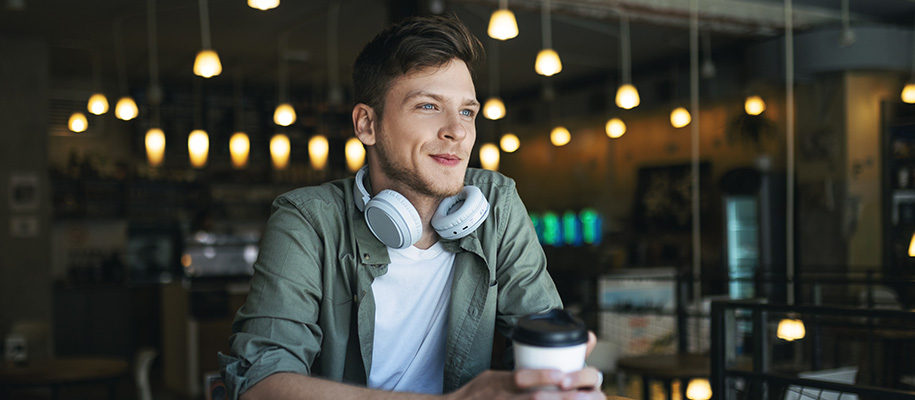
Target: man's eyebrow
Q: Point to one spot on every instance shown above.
(438, 97)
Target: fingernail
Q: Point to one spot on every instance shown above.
(566, 382)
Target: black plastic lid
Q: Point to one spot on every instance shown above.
(554, 328)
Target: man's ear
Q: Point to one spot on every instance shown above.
(364, 123)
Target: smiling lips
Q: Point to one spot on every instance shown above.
(446, 159)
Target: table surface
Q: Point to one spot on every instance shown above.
(670, 366)
(61, 371)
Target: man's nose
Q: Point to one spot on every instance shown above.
(455, 128)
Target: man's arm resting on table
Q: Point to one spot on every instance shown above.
(288, 385)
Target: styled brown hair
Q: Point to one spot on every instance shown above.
(416, 42)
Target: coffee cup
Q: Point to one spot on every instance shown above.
(551, 340)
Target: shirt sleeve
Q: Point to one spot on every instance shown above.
(525, 285)
(276, 329)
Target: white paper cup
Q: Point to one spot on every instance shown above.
(551, 340)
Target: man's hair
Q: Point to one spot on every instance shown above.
(416, 42)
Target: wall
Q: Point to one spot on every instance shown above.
(25, 284)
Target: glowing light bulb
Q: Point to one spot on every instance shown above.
(680, 117)
(239, 148)
(791, 329)
(78, 122)
(279, 151)
(263, 5)
(754, 105)
(317, 151)
(494, 108)
(502, 25)
(284, 115)
(126, 108)
(615, 128)
(489, 156)
(627, 97)
(509, 143)
(207, 64)
(355, 154)
(560, 136)
(548, 63)
(699, 389)
(908, 93)
(98, 104)
(198, 146)
(155, 146)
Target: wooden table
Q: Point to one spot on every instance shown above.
(665, 368)
(57, 373)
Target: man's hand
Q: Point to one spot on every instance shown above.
(541, 384)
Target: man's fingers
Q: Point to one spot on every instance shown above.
(532, 378)
(587, 378)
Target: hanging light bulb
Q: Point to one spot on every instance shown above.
(207, 64)
(509, 143)
(317, 151)
(263, 5)
(548, 63)
(284, 115)
(912, 246)
(627, 97)
(790, 329)
(680, 117)
(908, 93)
(126, 108)
(754, 105)
(699, 389)
(78, 122)
(155, 146)
(355, 154)
(502, 25)
(489, 156)
(560, 136)
(98, 104)
(239, 148)
(198, 146)
(494, 108)
(615, 128)
(279, 151)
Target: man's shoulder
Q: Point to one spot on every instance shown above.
(488, 180)
(328, 193)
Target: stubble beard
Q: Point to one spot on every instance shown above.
(398, 172)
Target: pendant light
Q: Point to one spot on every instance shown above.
(502, 23)
(98, 102)
(207, 62)
(155, 137)
(699, 389)
(908, 92)
(284, 114)
(239, 144)
(754, 105)
(198, 146)
(680, 117)
(560, 136)
(548, 62)
(279, 151)
(627, 96)
(263, 5)
(509, 143)
(494, 108)
(78, 122)
(615, 128)
(317, 151)
(335, 89)
(847, 35)
(791, 329)
(126, 108)
(489, 157)
(708, 69)
(355, 154)
(912, 246)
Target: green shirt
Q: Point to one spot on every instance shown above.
(311, 309)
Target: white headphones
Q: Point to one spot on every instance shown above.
(395, 222)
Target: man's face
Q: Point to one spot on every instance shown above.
(426, 135)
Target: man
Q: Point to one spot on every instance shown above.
(345, 307)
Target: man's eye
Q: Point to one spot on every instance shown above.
(427, 107)
(468, 113)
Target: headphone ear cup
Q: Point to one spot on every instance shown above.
(393, 219)
(459, 215)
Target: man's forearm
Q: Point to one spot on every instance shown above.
(283, 386)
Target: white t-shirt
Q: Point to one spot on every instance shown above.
(411, 318)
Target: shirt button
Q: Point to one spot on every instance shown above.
(365, 256)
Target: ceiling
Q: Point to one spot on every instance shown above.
(85, 36)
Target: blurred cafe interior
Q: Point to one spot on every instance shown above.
(724, 189)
